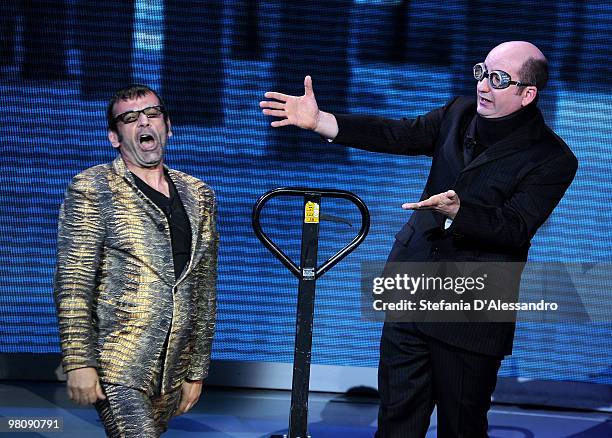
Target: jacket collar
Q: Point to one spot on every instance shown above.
(522, 138)
(186, 192)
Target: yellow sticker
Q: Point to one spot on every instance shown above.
(311, 213)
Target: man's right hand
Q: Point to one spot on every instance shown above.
(300, 111)
(84, 386)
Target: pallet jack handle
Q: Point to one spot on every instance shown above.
(307, 273)
(299, 191)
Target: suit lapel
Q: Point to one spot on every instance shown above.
(189, 197)
(146, 207)
(136, 195)
(191, 201)
(469, 142)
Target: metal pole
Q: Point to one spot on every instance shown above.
(298, 420)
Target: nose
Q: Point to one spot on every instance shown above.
(483, 85)
(143, 120)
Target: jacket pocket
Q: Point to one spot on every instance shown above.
(405, 234)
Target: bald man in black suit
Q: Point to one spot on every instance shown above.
(497, 173)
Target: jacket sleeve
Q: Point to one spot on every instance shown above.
(516, 222)
(401, 137)
(207, 299)
(81, 234)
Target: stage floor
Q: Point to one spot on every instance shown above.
(247, 413)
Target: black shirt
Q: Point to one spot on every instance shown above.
(483, 132)
(491, 130)
(180, 229)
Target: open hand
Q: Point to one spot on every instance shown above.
(300, 111)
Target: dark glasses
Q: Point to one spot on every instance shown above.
(131, 116)
(498, 79)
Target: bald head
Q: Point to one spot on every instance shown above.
(524, 58)
(527, 68)
(522, 50)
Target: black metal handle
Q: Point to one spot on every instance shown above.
(300, 191)
(307, 274)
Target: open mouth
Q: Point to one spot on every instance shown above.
(146, 140)
(485, 100)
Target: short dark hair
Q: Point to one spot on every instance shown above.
(534, 71)
(132, 91)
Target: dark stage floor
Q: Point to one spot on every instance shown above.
(246, 413)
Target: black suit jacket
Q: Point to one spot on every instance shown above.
(505, 194)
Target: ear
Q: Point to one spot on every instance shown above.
(114, 139)
(529, 95)
(169, 127)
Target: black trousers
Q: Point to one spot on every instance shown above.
(417, 372)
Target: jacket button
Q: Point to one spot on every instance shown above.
(160, 227)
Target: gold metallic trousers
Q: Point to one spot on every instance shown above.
(130, 413)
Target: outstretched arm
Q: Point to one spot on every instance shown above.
(300, 111)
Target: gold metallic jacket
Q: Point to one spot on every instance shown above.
(115, 289)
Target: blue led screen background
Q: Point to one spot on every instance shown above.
(212, 61)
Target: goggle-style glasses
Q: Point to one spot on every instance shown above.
(498, 79)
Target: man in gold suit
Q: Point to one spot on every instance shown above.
(135, 280)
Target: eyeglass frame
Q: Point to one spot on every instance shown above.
(119, 117)
(505, 77)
